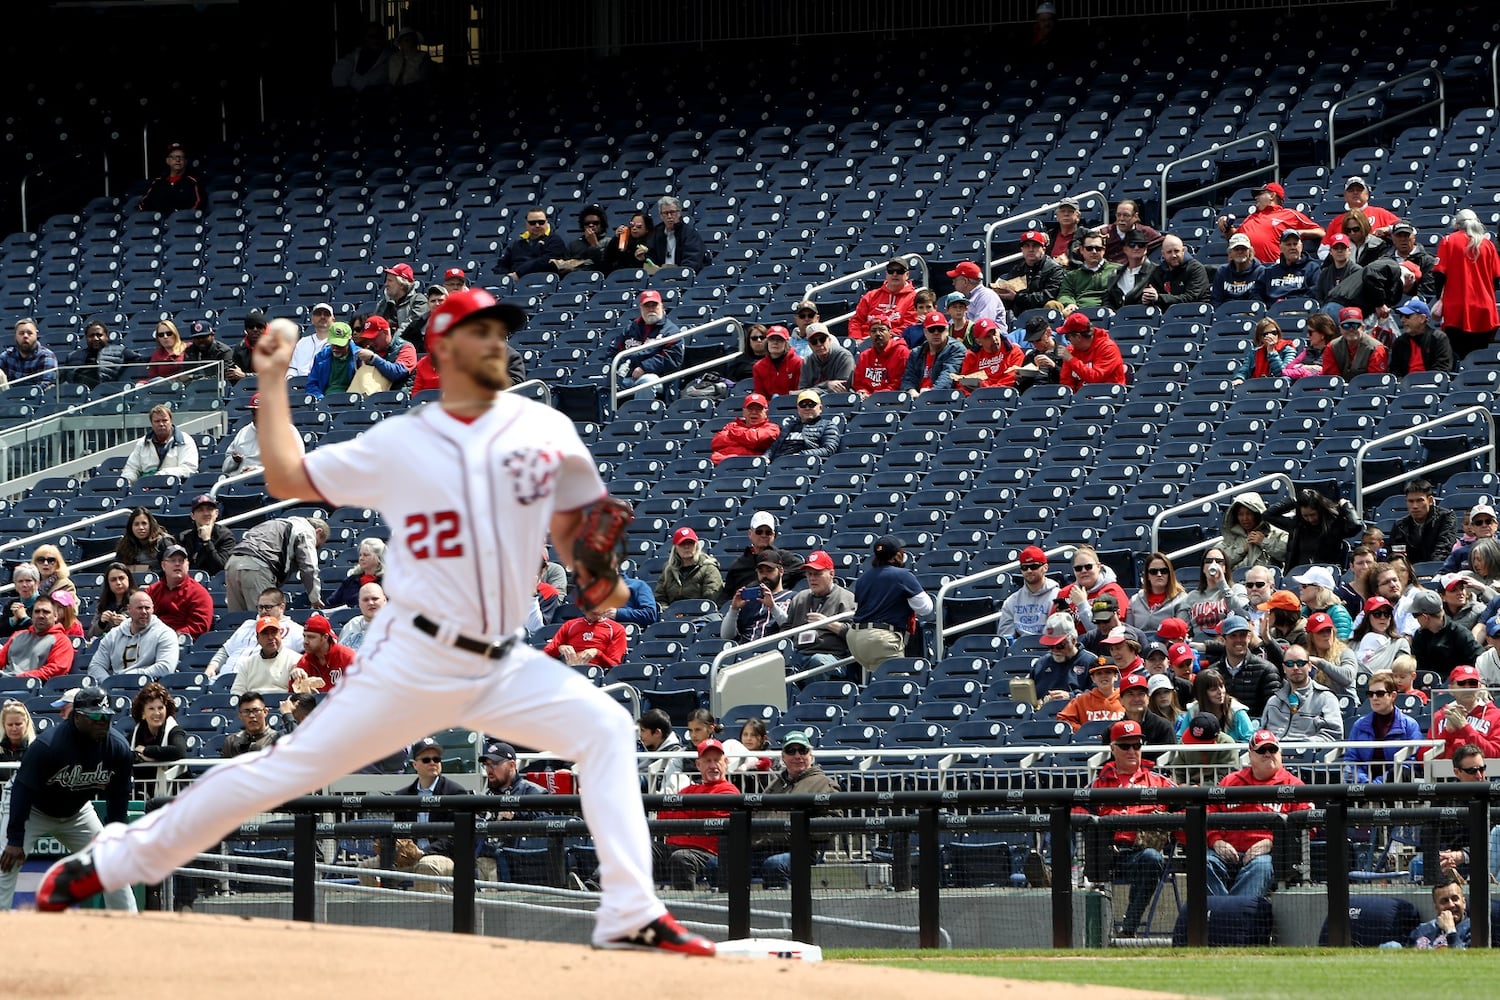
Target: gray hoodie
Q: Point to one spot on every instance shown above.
(1239, 550)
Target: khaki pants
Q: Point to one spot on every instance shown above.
(427, 864)
(873, 646)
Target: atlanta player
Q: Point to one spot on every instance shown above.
(483, 476)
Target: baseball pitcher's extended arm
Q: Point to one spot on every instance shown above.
(588, 541)
(285, 477)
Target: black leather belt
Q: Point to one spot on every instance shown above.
(491, 650)
(885, 625)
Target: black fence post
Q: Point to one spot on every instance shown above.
(1195, 836)
(900, 860)
(463, 873)
(305, 867)
(801, 876)
(929, 875)
(1337, 816)
(1479, 868)
(736, 873)
(1061, 837)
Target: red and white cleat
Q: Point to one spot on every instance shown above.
(662, 934)
(68, 883)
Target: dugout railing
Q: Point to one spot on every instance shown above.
(916, 824)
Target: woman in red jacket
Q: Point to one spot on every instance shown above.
(751, 433)
(780, 371)
(1469, 268)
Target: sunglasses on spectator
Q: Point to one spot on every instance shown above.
(1256, 583)
(536, 222)
(95, 716)
(1082, 567)
(756, 340)
(1094, 249)
(1466, 684)
(1130, 747)
(796, 751)
(1266, 751)
(1380, 613)
(1352, 326)
(1214, 559)
(163, 333)
(1032, 565)
(1158, 571)
(1296, 663)
(765, 531)
(1479, 769)
(429, 760)
(806, 404)
(806, 314)
(1378, 694)
(1481, 520)
(46, 559)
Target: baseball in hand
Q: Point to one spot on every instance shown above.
(273, 351)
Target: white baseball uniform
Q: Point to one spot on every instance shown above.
(469, 505)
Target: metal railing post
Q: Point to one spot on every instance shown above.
(929, 875)
(463, 872)
(304, 867)
(1224, 489)
(1061, 838)
(801, 876)
(1337, 833)
(1195, 836)
(1479, 867)
(1087, 198)
(1467, 414)
(1441, 103)
(940, 627)
(735, 873)
(1254, 138)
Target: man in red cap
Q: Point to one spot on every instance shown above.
(1133, 855)
(940, 358)
(1338, 264)
(880, 367)
(1355, 352)
(1095, 357)
(1239, 860)
(594, 638)
(1135, 695)
(684, 858)
(1035, 281)
(814, 642)
(891, 301)
(651, 325)
(324, 657)
(392, 360)
(1025, 610)
(454, 280)
(1467, 718)
(1268, 220)
(993, 363)
(983, 302)
(401, 301)
(751, 433)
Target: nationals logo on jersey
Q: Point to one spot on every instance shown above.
(533, 472)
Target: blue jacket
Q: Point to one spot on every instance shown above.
(666, 359)
(1427, 936)
(529, 256)
(1230, 284)
(816, 439)
(641, 610)
(1404, 729)
(322, 368)
(947, 364)
(63, 771)
(1278, 281)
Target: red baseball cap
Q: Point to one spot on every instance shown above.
(756, 399)
(819, 560)
(985, 327)
(1463, 672)
(684, 534)
(1033, 554)
(650, 295)
(778, 332)
(402, 271)
(1351, 314)
(1264, 737)
(1172, 629)
(1413, 267)
(1339, 240)
(454, 272)
(933, 319)
(1180, 652)
(1274, 188)
(1376, 603)
(1125, 728)
(708, 745)
(1134, 682)
(471, 303)
(320, 625)
(965, 269)
(1076, 322)
(1319, 621)
(375, 325)
(1034, 236)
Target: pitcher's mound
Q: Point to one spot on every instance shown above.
(97, 955)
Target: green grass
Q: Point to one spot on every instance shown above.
(1264, 974)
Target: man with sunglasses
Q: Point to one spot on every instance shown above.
(1084, 287)
(1467, 718)
(1438, 643)
(271, 603)
(1245, 855)
(64, 770)
(880, 367)
(1469, 767)
(761, 535)
(534, 249)
(423, 855)
(809, 434)
(1025, 610)
(893, 301)
(804, 318)
(936, 363)
(1303, 710)
(800, 775)
(1355, 352)
(587, 251)
(828, 365)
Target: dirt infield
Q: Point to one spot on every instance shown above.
(98, 955)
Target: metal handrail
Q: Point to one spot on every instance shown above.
(652, 345)
(1495, 76)
(25, 223)
(1087, 197)
(1466, 414)
(912, 260)
(1187, 505)
(546, 389)
(1386, 120)
(631, 695)
(940, 642)
(764, 642)
(1254, 137)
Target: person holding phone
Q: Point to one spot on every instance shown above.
(756, 611)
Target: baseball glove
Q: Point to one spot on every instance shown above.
(596, 556)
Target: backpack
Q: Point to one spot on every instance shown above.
(707, 386)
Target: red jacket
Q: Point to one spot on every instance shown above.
(425, 375)
(606, 635)
(1264, 228)
(1380, 218)
(1482, 728)
(1144, 776)
(773, 380)
(1101, 363)
(899, 308)
(998, 368)
(1379, 359)
(739, 438)
(188, 608)
(703, 843)
(59, 659)
(876, 372)
(1241, 839)
(339, 658)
